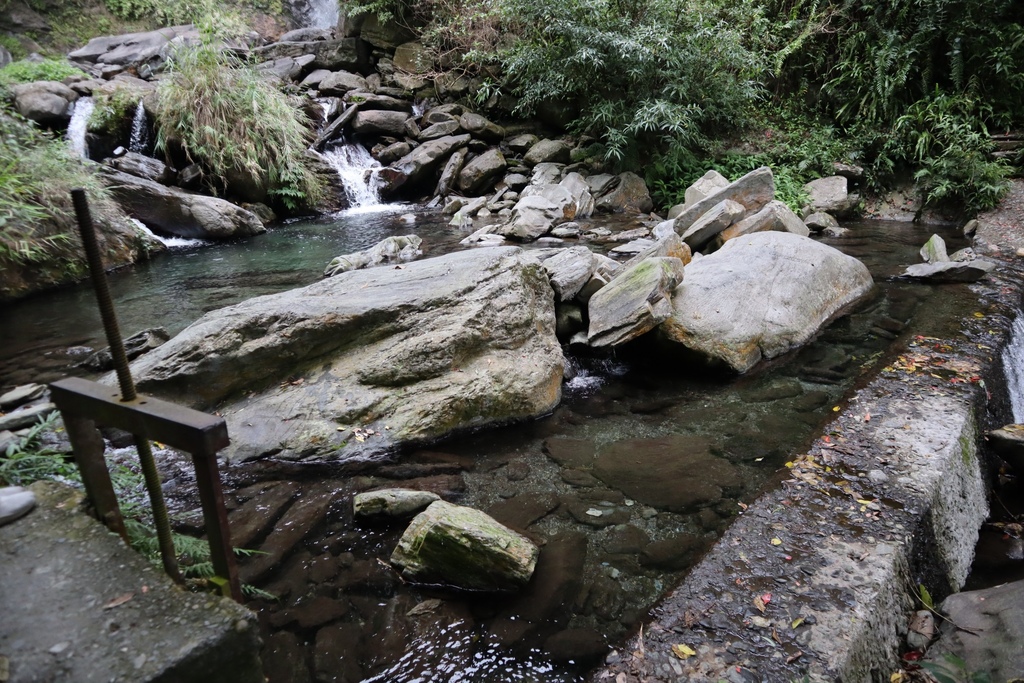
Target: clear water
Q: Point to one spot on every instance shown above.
(323, 13)
(757, 422)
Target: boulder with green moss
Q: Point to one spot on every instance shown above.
(464, 548)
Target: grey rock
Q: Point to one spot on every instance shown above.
(546, 173)
(706, 185)
(580, 191)
(934, 250)
(21, 394)
(304, 35)
(380, 122)
(762, 295)
(521, 144)
(630, 194)
(465, 548)
(633, 247)
(569, 270)
(819, 221)
(714, 221)
(481, 127)
(413, 58)
(671, 245)
(149, 47)
(286, 68)
(835, 232)
(333, 55)
(995, 612)
(314, 78)
(26, 417)
(545, 151)
(830, 195)
(534, 215)
(480, 174)
(379, 100)
(774, 216)
(634, 302)
(423, 161)
(341, 82)
(177, 212)
(753, 191)
(950, 271)
(450, 173)
(393, 152)
(385, 34)
(144, 167)
(1008, 443)
(439, 130)
(45, 102)
(386, 357)
(134, 346)
(392, 502)
(965, 254)
(394, 249)
(848, 171)
(602, 183)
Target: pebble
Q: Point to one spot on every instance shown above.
(878, 477)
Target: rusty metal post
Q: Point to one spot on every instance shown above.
(87, 445)
(124, 377)
(215, 518)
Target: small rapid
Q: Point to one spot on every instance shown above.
(359, 173)
(1013, 368)
(139, 140)
(79, 125)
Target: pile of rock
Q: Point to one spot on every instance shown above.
(938, 266)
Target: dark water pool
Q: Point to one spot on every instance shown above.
(611, 547)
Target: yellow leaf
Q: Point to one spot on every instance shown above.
(776, 541)
(790, 464)
(683, 651)
(979, 314)
(864, 502)
(835, 409)
(797, 622)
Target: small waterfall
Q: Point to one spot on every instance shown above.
(79, 122)
(358, 172)
(323, 13)
(169, 242)
(140, 131)
(1013, 368)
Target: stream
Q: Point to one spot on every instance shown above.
(607, 557)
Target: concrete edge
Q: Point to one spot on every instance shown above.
(891, 496)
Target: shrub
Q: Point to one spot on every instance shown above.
(232, 121)
(37, 174)
(47, 70)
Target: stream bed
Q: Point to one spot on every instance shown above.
(608, 552)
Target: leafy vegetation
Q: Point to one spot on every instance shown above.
(228, 118)
(24, 71)
(29, 460)
(37, 174)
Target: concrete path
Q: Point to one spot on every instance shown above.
(78, 605)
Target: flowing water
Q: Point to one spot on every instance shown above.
(323, 13)
(78, 124)
(139, 140)
(607, 556)
(358, 172)
(1013, 366)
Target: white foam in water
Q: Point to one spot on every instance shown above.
(323, 13)
(77, 127)
(358, 172)
(140, 132)
(169, 242)
(585, 380)
(1013, 368)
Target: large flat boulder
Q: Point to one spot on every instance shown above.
(45, 102)
(362, 362)
(177, 212)
(148, 47)
(635, 302)
(762, 295)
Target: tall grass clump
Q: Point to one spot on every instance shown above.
(224, 115)
(38, 240)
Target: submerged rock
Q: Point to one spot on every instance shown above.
(762, 295)
(396, 249)
(392, 502)
(1008, 443)
(950, 271)
(464, 548)
(359, 363)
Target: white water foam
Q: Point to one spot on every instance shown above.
(358, 171)
(140, 131)
(77, 127)
(323, 13)
(1013, 368)
(170, 242)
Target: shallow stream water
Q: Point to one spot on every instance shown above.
(610, 548)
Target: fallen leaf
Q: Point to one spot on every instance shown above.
(797, 622)
(119, 600)
(776, 541)
(766, 598)
(759, 604)
(683, 651)
(795, 656)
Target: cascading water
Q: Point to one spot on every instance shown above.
(140, 131)
(169, 242)
(358, 172)
(323, 13)
(77, 127)
(1013, 368)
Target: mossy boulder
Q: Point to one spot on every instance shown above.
(464, 548)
